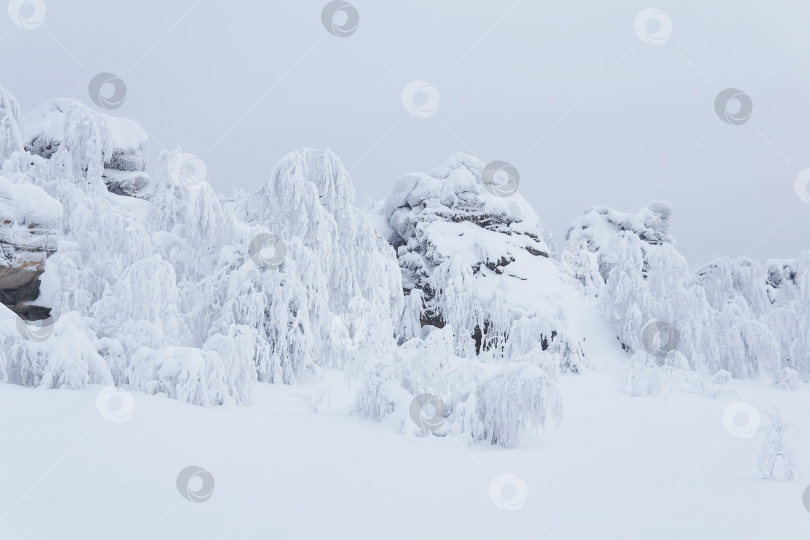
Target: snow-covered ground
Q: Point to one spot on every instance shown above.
(617, 467)
(176, 363)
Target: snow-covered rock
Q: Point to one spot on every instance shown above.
(486, 330)
(124, 143)
(599, 229)
(477, 261)
(29, 220)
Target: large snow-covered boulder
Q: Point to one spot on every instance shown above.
(491, 318)
(599, 229)
(475, 260)
(45, 131)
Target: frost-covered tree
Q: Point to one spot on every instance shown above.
(10, 133)
(500, 404)
(776, 459)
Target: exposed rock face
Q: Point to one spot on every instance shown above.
(422, 207)
(473, 260)
(599, 229)
(29, 220)
(124, 171)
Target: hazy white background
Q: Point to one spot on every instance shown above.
(614, 116)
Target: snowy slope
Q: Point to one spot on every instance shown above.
(618, 467)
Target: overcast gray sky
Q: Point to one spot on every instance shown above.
(568, 92)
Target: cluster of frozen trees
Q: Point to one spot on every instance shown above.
(180, 291)
(733, 316)
(446, 304)
(169, 288)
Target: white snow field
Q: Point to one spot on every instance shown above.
(177, 363)
(618, 467)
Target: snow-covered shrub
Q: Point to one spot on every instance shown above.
(191, 375)
(776, 459)
(647, 376)
(501, 404)
(516, 401)
(787, 379)
(65, 357)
